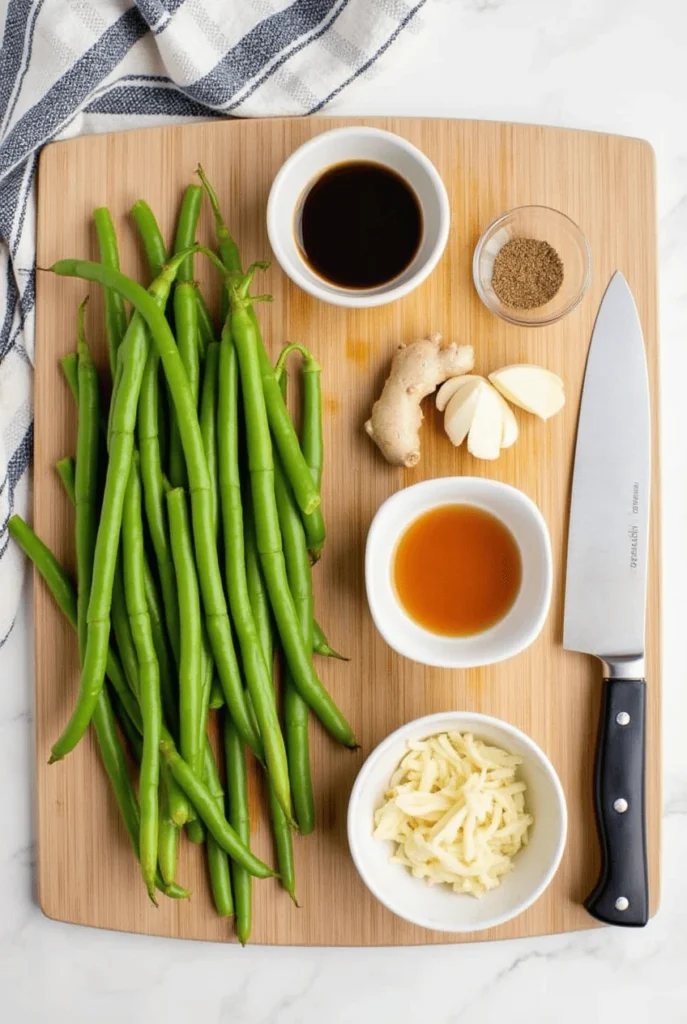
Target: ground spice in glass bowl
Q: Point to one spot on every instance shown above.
(532, 266)
(527, 273)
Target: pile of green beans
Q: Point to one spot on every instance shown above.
(197, 522)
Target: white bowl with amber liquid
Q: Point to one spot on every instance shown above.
(524, 619)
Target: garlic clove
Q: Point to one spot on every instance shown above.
(533, 388)
(486, 429)
(461, 410)
(511, 431)
(449, 388)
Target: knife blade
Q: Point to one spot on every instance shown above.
(605, 592)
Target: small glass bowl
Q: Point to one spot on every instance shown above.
(545, 224)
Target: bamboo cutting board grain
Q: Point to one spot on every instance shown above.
(86, 871)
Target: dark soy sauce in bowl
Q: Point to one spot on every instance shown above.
(360, 225)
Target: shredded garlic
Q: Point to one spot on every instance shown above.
(456, 812)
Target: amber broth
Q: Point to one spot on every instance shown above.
(457, 570)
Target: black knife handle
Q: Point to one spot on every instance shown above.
(621, 895)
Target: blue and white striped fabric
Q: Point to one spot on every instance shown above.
(68, 67)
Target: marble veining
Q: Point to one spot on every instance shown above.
(608, 65)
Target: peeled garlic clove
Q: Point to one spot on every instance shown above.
(461, 409)
(486, 430)
(511, 430)
(449, 388)
(532, 388)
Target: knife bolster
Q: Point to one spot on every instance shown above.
(629, 666)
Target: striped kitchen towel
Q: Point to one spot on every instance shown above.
(68, 67)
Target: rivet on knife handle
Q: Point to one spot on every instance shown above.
(621, 896)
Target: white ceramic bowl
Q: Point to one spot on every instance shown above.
(510, 635)
(438, 907)
(343, 144)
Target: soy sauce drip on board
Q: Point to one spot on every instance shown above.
(360, 225)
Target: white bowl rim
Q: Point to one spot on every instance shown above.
(427, 722)
(358, 299)
(403, 644)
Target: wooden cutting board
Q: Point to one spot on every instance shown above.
(86, 872)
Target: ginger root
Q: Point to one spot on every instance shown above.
(416, 371)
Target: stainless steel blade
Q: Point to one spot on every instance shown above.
(605, 592)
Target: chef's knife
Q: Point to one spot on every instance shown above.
(605, 593)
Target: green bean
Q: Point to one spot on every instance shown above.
(117, 770)
(151, 236)
(300, 585)
(156, 253)
(163, 418)
(261, 467)
(64, 593)
(114, 670)
(257, 677)
(313, 450)
(86, 504)
(283, 842)
(260, 604)
(168, 835)
(180, 810)
(259, 599)
(116, 767)
(149, 675)
(114, 396)
(55, 577)
(239, 818)
(207, 677)
(125, 722)
(186, 229)
(153, 493)
(132, 358)
(218, 861)
(115, 314)
(121, 627)
(208, 423)
(186, 325)
(70, 369)
(312, 442)
(206, 330)
(210, 813)
(195, 830)
(85, 477)
(217, 618)
(216, 696)
(311, 438)
(190, 682)
(285, 438)
(120, 620)
(176, 468)
(161, 644)
(321, 644)
(226, 246)
(66, 470)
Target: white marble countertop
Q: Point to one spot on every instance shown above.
(609, 65)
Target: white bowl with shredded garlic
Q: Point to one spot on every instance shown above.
(457, 822)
